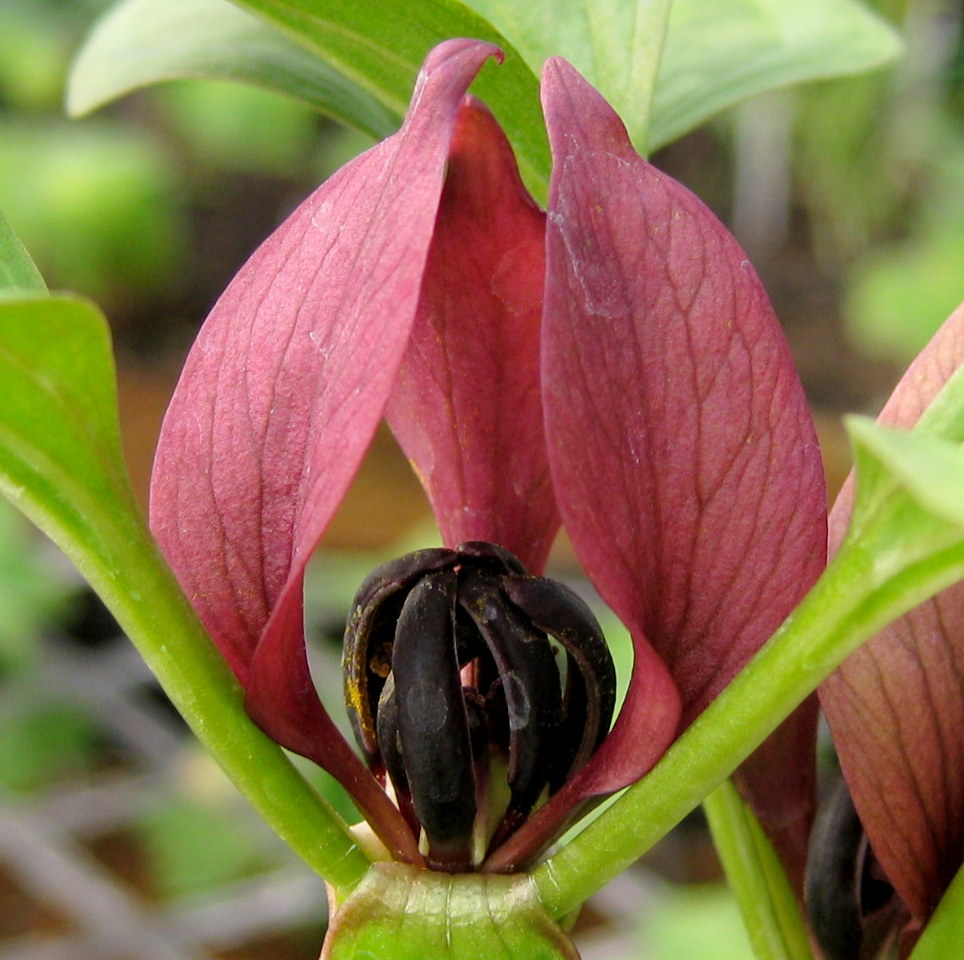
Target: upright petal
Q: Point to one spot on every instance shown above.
(896, 706)
(467, 408)
(280, 397)
(289, 376)
(685, 459)
(683, 455)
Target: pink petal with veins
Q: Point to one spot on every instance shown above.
(281, 395)
(896, 706)
(467, 408)
(685, 459)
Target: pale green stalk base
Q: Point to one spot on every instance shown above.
(400, 912)
(767, 902)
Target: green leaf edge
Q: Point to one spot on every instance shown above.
(668, 125)
(255, 53)
(944, 933)
(929, 468)
(512, 94)
(510, 90)
(18, 272)
(108, 541)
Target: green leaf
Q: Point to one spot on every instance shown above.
(61, 464)
(372, 50)
(358, 61)
(746, 47)
(713, 58)
(753, 870)
(60, 459)
(17, 270)
(381, 45)
(886, 459)
(928, 469)
(142, 42)
(615, 44)
(402, 913)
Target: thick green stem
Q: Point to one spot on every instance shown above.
(61, 464)
(846, 607)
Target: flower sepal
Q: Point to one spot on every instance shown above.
(399, 912)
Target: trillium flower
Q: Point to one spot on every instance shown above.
(611, 365)
(893, 839)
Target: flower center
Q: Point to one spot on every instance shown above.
(477, 689)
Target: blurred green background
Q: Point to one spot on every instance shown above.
(849, 197)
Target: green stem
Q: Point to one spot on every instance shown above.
(61, 464)
(847, 606)
(767, 902)
(135, 582)
(944, 933)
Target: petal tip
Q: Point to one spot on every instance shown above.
(460, 54)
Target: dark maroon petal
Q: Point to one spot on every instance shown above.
(639, 737)
(290, 374)
(684, 458)
(896, 706)
(467, 408)
(280, 397)
(282, 700)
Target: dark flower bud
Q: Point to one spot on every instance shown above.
(854, 911)
(458, 666)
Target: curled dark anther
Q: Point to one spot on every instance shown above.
(452, 673)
